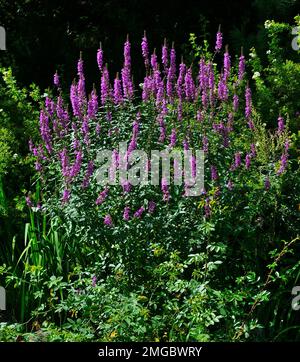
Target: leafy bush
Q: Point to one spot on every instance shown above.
(18, 121)
(150, 262)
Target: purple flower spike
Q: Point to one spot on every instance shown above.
(283, 163)
(126, 186)
(151, 207)
(108, 220)
(89, 172)
(93, 105)
(126, 213)
(185, 144)
(102, 196)
(173, 138)
(280, 125)
(74, 100)
(64, 159)
(139, 212)
(214, 173)
(28, 201)
(253, 150)
(237, 159)
(127, 56)
(45, 131)
(154, 63)
(100, 58)
(80, 67)
(226, 64)
(219, 39)
(118, 97)
(207, 208)
(66, 195)
(248, 108)
(164, 56)
(162, 135)
(56, 79)
(165, 189)
(205, 144)
(76, 166)
(189, 85)
(105, 92)
(241, 67)
(145, 50)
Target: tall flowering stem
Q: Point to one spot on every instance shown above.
(219, 40)
(145, 50)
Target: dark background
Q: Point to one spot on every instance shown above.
(43, 36)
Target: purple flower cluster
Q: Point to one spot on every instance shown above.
(219, 40)
(208, 102)
(102, 196)
(138, 214)
(126, 213)
(214, 173)
(108, 220)
(165, 189)
(145, 50)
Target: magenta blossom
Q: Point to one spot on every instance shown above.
(126, 213)
(165, 189)
(248, 161)
(66, 195)
(56, 79)
(214, 173)
(145, 50)
(207, 208)
(219, 39)
(173, 138)
(28, 201)
(139, 212)
(102, 196)
(280, 125)
(108, 220)
(283, 163)
(100, 58)
(151, 207)
(241, 67)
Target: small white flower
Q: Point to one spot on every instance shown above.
(268, 24)
(268, 51)
(277, 102)
(256, 75)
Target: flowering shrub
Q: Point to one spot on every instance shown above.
(160, 263)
